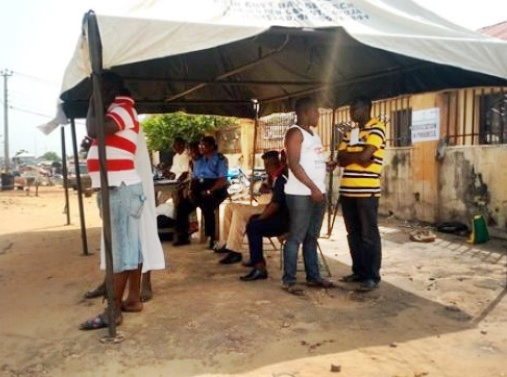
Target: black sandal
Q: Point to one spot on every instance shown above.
(99, 322)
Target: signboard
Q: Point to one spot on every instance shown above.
(425, 125)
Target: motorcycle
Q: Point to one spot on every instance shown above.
(239, 184)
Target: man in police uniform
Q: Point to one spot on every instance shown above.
(208, 189)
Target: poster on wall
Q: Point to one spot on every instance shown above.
(425, 125)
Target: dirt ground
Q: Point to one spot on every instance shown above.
(440, 311)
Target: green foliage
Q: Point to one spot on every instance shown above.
(51, 156)
(162, 129)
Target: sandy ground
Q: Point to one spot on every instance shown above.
(440, 311)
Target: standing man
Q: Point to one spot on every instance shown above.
(305, 195)
(361, 154)
(126, 196)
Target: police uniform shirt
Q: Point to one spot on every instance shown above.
(210, 168)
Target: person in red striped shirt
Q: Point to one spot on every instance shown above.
(126, 196)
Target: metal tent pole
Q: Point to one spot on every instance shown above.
(79, 188)
(330, 223)
(95, 49)
(65, 175)
(256, 107)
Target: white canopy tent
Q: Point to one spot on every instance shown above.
(217, 60)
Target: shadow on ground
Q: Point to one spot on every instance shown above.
(203, 319)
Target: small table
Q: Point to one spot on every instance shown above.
(164, 187)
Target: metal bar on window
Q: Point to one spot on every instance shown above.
(457, 96)
(465, 117)
(474, 127)
(503, 114)
(448, 115)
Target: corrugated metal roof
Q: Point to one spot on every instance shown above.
(497, 30)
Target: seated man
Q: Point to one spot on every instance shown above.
(235, 218)
(208, 188)
(272, 220)
(181, 160)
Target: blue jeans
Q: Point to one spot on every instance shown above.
(360, 216)
(305, 219)
(126, 205)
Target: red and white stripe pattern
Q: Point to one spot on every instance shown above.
(120, 146)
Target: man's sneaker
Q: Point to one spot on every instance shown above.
(367, 286)
(321, 283)
(352, 278)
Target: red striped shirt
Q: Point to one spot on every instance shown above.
(120, 146)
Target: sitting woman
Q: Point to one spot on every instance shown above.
(208, 188)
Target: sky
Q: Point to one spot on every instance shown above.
(38, 37)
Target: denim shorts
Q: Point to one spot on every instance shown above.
(126, 205)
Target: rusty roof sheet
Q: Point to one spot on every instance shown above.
(497, 30)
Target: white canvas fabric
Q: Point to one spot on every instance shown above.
(155, 29)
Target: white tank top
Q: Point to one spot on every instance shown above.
(313, 163)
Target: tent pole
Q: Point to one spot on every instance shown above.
(95, 48)
(79, 188)
(256, 106)
(65, 175)
(331, 175)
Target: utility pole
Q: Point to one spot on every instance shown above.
(6, 74)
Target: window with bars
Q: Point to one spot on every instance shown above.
(400, 128)
(475, 116)
(493, 118)
(271, 131)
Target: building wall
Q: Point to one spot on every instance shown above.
(472, 181)
(469, 180)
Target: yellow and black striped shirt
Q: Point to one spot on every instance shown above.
(358, 180)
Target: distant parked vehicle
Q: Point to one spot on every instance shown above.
(86, 181)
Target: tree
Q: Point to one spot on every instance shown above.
(162, 129)
(51, 156)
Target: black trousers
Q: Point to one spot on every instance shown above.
(207, 203)
(360, 216)
(257, 229)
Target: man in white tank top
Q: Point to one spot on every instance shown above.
(305, 192)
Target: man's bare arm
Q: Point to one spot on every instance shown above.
(110, 127)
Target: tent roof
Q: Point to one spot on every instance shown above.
(278, 50)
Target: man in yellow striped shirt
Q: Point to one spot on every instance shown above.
(361, 154)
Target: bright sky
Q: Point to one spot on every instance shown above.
(37, 39)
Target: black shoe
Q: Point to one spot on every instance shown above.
(211, 244)
(367, 286)
(181, 242)
(221, 250)
(255, 274)
(247, 263)
(232, 257)
(352, 278)
(100, 291)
